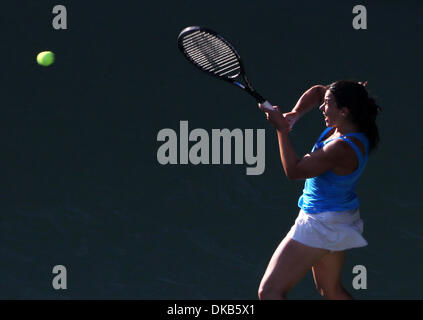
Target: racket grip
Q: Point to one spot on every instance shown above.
(267, 105)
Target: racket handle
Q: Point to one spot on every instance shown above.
(267, 105)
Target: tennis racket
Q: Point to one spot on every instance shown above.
(214, 55)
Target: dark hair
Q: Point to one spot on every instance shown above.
(363, 109)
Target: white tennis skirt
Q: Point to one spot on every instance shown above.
(331, 230)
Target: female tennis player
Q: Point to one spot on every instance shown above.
(329, 220)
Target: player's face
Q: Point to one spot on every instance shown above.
(330, 110)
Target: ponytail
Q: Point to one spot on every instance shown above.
(367, 123)
(363, 109)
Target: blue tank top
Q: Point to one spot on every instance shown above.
(332, 192)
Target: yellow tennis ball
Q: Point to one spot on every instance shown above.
(45, 58)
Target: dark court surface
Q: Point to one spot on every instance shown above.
(81, 185)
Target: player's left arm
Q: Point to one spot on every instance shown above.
(312, 164)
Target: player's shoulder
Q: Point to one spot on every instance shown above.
(338, 148)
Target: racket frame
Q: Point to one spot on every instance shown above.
(247, 86)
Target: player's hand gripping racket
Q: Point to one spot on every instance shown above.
(213, 54)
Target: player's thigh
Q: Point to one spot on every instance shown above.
(327, 271)
(289, 264)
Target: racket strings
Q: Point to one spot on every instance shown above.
(211, 54)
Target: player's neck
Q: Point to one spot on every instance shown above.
(345, 128)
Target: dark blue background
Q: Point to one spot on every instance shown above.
(81, 185)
